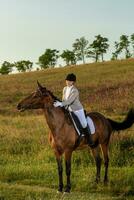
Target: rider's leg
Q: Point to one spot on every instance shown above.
(81, 116)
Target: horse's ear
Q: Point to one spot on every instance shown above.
(41, 88)
(39, 85)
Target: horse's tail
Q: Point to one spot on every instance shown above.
(127, 123)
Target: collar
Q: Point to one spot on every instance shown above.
(70, 87)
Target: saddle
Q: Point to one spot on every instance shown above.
(77, 124)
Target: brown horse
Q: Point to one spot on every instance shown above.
(63, 136)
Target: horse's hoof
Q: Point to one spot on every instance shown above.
(60, 189)
(97, 181)
(66, 192)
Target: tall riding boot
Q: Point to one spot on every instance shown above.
(87, 133)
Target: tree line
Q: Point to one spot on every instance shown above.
(81, 50)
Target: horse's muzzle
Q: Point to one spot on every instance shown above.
(20, 108)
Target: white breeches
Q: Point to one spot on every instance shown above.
(81, 116)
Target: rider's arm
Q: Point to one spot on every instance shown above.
(74, 94)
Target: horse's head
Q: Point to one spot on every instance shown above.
(41, 98)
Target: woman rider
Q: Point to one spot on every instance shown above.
(71, 100)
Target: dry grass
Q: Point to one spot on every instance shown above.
(105, 87)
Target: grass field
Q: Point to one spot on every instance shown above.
(27, 165)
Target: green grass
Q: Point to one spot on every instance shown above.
(28, 170)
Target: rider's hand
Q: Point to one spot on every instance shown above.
(58, 104)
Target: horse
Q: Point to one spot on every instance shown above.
(63, 136)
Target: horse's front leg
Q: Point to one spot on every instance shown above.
(60, 171)
(68, 155)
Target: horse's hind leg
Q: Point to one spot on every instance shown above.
(96, 154)
(68, 155)
(106, 161)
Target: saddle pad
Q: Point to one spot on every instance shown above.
(91, 125)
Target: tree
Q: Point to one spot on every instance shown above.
(124, 45)
(49, 58)
(23, 65)
(132, 42)
(94, 51)
(28, 64)
(103, 46)
(6, 68)
(68, 57)
(117, 51)
(98, 47)
(81, 48)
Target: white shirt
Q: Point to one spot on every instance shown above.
(68, 91)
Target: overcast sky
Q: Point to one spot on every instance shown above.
(28, 27)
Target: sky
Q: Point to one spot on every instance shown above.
(29, 27)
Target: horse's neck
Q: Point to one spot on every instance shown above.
(54, 118)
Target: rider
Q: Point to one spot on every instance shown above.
(71, 99)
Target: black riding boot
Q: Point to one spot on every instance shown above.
(87, 133)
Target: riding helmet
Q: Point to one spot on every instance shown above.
(71, 77)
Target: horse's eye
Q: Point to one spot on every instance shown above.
(45, 94)
(37, 94)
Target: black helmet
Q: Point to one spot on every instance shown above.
(71, 77)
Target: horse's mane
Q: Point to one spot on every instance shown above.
(53, 96)
(66, 112)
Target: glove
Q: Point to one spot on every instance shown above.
(58, 104)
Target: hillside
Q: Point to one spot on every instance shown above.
(27, 163)
(105, 87)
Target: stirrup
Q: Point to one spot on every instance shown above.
(91, 144)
